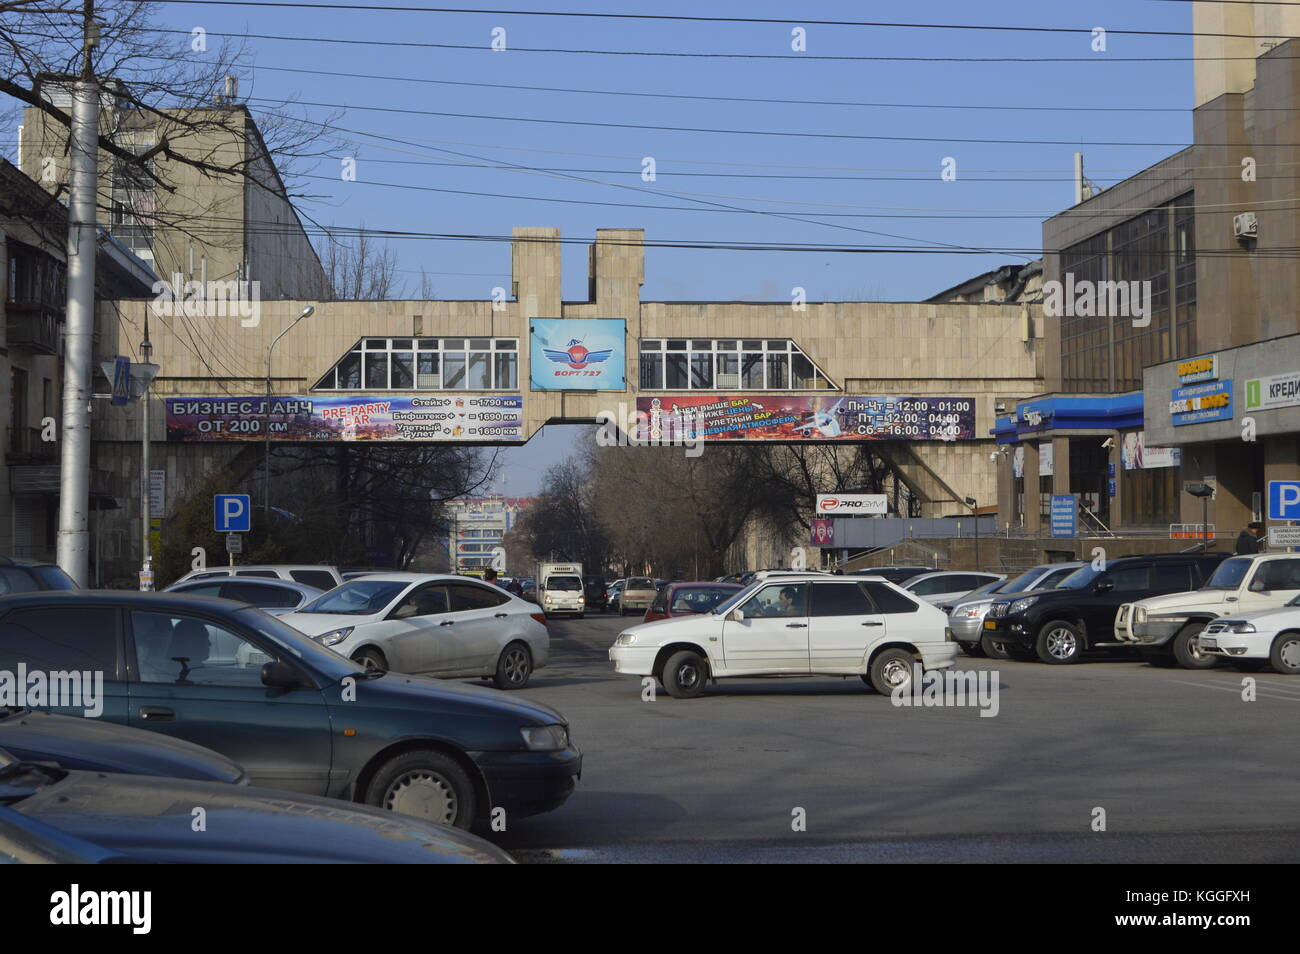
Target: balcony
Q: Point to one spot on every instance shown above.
(33, 327)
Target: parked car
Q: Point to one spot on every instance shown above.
(595, 590)
(894, 574)
(684, 599)
(966, 617)
(28, 576)
(431, 624)
(143, 819)
(352, 572)
(296, 715)
(613, 593)
(948, 586)
(93, 745)
(1265, 637)
(1060, 624)
(276, 597)
(321, 577)
(637, 594)
(1166, 628)
(817, 625)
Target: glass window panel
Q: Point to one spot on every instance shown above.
(652, 371)
(480, 370)
(506, 344)
(802, 371)
(728, 364)
(350, 372)
(676, 371)
(428, 344)
(698, 345)
(507, 370)
(479, 344)
(751, 370)
(652, 344)
(401, 344)
(702, 370)
(777, 365)
(403, 376)
(453, 370)
(453, 344)
(676, 344)
(376, 371)
(727, 345)
(376, 344)
(778, 345)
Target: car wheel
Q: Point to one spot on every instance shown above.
(973, 649)
(425, 784)
(1187, 648)
(371, 658)
(514, 667)
(890, 670)
(685, 673)
(994, 648)
(1059, 643)
(1285, 654)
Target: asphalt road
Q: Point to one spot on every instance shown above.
(1185, 770)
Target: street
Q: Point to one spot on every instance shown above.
(1183, 768)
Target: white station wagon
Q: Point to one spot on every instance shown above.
(793, 626)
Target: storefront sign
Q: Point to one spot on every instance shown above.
(1065, 515)
(780, 417)
(344, 417)
(1195, 370)
(1201, 403)
(577, 354)
(1280, 390)
(853, 505)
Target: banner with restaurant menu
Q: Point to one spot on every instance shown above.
(783, 417)
(345, 417)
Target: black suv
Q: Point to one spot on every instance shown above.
(1058, 625)
(29, 576)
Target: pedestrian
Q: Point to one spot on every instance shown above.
(489, 575)
(1250, 540)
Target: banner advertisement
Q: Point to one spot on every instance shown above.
(783, 417)
(853, 504)
(577, 354)
(1279, 390)
(343, 417)
(1201, 403)
(1135, 455)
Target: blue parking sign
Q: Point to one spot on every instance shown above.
(1284, 500)
(231, 513)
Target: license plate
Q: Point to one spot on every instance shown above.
(989, 624)
(1209, 642)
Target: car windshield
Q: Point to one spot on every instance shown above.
(357, 597)
(298, 644)
(1229, 574)
(566, 583)
(1080, 578)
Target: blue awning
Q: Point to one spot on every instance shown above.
(1046, 415)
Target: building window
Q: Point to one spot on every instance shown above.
(426, 364)
(728, 364)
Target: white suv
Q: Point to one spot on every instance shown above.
(321, 577)
(1167, 628)
(805, 625)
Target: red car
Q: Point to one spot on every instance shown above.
(683, 599)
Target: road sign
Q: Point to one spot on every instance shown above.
(121, 380)
(852, 505)
(1284, 500)
(231, 513)
(234, 543)
(1284, 536)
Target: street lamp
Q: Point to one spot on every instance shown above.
(974, 509)
(266, 418)
(1205, 492)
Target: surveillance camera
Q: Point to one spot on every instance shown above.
(1000, 408)
(1108, 443)
(993, 458)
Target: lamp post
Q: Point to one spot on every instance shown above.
(974, 509)
(1205, 492)
(266, 419)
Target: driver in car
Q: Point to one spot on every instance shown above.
(787, 603)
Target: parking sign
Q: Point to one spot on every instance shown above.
(1284, 500)
(231, 513)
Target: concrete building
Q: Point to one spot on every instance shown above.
(1138, 405)
(204, 226)
(476, 526)
(33, 268)
(496, 371)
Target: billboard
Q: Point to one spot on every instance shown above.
(577, 354)
(348, 417)
(783, 417)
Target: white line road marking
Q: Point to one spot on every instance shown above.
(1260, 690)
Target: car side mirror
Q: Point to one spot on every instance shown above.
(1104, 586)
(280, 675)
(736, 616)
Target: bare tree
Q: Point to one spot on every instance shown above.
(359, 268)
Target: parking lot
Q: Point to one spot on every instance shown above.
(1184, 769)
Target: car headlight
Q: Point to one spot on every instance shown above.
(1239, 626)
(1140, 614)
(625, 639)
(1019, 606)
(972, 610)
(334, 636)
(545, 738)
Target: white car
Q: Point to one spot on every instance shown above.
(810, 625)
(321, 577)
(430, 624)
(949, 586)
(1267, 636)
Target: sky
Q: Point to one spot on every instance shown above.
(815, 176)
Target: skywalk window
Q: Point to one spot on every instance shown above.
(728, 364)
(426, 364)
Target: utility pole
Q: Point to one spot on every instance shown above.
(146, 485)
(74, 489)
